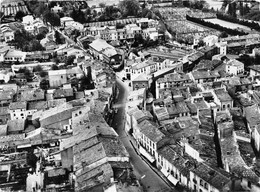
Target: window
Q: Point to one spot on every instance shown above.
(206, 186)
(21, 114)
(201, 182)
(249, 184)
(80, 112)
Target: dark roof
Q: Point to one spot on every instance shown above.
(255, 68)
(38, 105)
(150, 130)
(15, 125)
(170, 153)
(203, 74)
(6, 95)
(222, 95)
(18, 105)
(213, 177)
(32, 95)
(60, 93)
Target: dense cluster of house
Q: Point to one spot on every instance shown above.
(199, 125)
(47, 134)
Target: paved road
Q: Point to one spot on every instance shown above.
(150, 180)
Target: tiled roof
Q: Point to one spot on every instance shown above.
(213, 177)
(15, 125)
(255, 68)
(100, 44)
(151, 131)
(203, 75)
(32, 95)
(252, 115)
(6, 95)
(38, 105)
(61, 93)
(222, 95)
(174, 77)
(18, 105)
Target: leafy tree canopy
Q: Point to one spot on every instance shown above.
(129, 7)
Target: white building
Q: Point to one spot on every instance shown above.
(28, 20)
(234, 67)
(210, 40)
(65, 21)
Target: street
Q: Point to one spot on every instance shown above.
(149, 179)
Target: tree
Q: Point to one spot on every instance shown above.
(70, 60)
(37, 68)
(40, 36)
(78, 15)
(57, 37)
(129, 7)
(35, 46)
(19, 15)
(44, 84)
(43, 73)
(52, 18)
(102, 6)
(223, 34)
(138, 40)
(54, 67)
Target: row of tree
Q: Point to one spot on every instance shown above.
(252, 25)
(215, 26)
(197, 4)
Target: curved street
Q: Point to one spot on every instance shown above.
(149, 179)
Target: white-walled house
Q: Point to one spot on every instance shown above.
(28, 20)
(210, 40)
(234, 67)
(17, 110)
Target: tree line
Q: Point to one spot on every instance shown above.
(233, 32)
(252, 25)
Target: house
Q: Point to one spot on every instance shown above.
(15, 126)
(57, 78)
(254, 70)
(148, 137)
(252, 114)
(14, 56)
(8, 34)
(152, 33)
(222, 48)
(28, 19)
(31, 95)
(4, 115)
(68, 94)
(205, 178)
(57, 117)
(17, 110)
(210, 40)
(176, 167)
(102, 50)
(141, 81)
(6, 97)
(172, 80)
(203, 76)
(223, 99)
(65, 21)
(234, 67)
(134, 117)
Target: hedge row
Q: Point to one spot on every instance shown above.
(218, 27)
